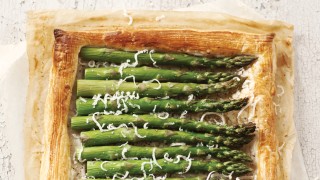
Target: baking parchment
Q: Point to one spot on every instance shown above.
(15, 82)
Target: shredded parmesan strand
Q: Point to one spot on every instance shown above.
(124, 144)
(91, 64)
(153, 61)
(183, 114)
(125, 13)
(152, 80)
(154, 158)
(213, 146)
(166, 97)
(124, 80)
(159, 18)
(101, 166)
(143, 170)
(124, 176)
(136, 131)
(79, 155)
(223, 120)
(254, 104)
(145, 125)
(126, 64)
(96, 122)
(167, 158)
(96, 99)
(209, 175)
(200, 144)
(159, 177)
(123, 153)
(186, 159)
(163, 115)
(282, 90)
(178, 144)
(154, 109)
(190, 98)
(82, 99)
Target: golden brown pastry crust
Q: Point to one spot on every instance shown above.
(56, 159)
(40, 40)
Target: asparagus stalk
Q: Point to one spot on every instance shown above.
(89, 88)
(86, 123)
(163, 75)
(123, 135)
(100, 169)
(115, 56)
(110, 153)
(147, 105)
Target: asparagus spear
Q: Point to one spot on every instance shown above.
(147, 105)
(101, 169)
(115, 56)
(123, 135)
(163, 75)
(110, 153)
(86, 123)
(89, 88)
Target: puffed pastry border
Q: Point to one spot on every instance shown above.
(55, 153)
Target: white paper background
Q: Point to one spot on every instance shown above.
(14, 81)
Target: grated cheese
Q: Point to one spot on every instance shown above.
(124, 80)
(153, 61)
(178, 144)
(154, 109)
(183, 114)
(126, 64)
(186, 159)
(125, 13)
(209, 175)
(91, 64)
(124, 144)
(79, 155)
(168, 124)
(101, 166)
(96, 99)
(124, 176)
(254, 104)
(152, 80)
(143, 170)
(159, 18)
(154, 158)
(190, 98)
(166, 97)
(223, 120)
(163, 115)
(82, 99)
(123, 152)
(136, 131)
(145, 125)
(167, 158)
(282, 90)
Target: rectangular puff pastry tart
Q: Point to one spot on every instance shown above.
(161, 102)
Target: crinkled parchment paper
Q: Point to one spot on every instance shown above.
(14, 84)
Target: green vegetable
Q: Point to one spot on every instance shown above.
(115, 56)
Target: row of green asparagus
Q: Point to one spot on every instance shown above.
(101, 147)
(84, 123)
(102, 169)
(147, 105)
(118, 57)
